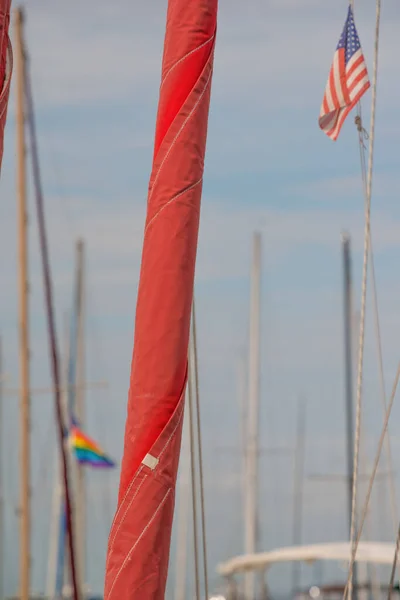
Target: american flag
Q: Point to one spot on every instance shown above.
(348, 80)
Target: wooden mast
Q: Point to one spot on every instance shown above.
(25, 525)
(79, 412)
(251, 505)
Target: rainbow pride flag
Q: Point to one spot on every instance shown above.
(87, 451)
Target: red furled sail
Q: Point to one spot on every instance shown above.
(5, 67)
(138, 548)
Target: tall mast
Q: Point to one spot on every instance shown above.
(242, 405)
(251, 506)
(54, 358)
(298, 490)
(348, 317)
(1, 479)
(242, 402)
(25, 525)
(163, 311)
(56, 566)
(79, 411)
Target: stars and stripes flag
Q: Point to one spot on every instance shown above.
(348, 80)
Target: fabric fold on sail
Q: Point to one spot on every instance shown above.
(6, 64)
(139, 543)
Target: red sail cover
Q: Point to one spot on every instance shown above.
(5, 67)
(138, 548)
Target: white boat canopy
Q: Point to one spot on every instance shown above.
(370, 552)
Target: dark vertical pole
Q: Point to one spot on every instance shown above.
(79, 411)
(347, 306)
(23, 318)
(298, 490)
(51, 324)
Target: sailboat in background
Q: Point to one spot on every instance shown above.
(245, 575)
(348, 81)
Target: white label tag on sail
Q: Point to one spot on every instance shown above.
(150, 461)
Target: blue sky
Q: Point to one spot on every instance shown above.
(96, 70)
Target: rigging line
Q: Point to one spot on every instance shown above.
(193, 466)
(200, 452)
(371, 569)
(358, 121)
(393, 501)
(361, 136)
(375, 586)
(50, 320)
(388, 448)
(372, 479)
(367, 230)
(52, 156)
(393, 572)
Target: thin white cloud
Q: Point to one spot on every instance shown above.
(100, 58)
(94, 58)
(114, 233)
